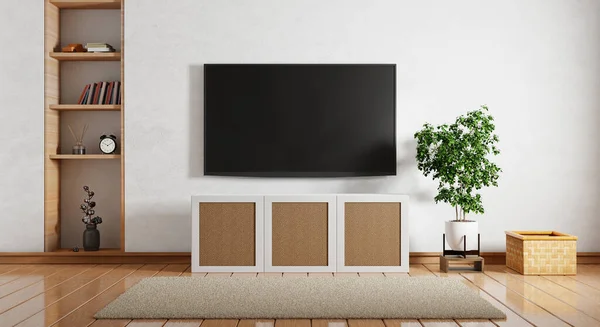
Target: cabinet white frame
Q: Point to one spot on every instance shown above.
(258, 236)
(331, 232)
(404, 253)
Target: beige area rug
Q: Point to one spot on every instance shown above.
(301, 297)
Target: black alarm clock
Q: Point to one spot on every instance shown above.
(108, 144)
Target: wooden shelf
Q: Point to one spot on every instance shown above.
(64, 251)
(84, 156)
(103, 256)
(86, 107)
(86, 56)
(87, 4)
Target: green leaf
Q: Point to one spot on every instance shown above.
(457, 156)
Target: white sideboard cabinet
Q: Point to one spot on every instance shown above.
(300, 233)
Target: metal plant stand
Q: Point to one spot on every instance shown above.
(463, 258)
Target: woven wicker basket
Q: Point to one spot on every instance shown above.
(541, 252)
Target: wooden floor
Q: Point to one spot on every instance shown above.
(69, 295)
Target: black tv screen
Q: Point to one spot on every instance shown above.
(299, 120)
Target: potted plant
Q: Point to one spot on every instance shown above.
(458, 156)
(91, 235)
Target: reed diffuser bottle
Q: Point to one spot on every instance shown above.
(78, 148)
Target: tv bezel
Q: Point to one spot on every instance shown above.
(286, 174)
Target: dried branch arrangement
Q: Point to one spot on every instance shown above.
(88, 208)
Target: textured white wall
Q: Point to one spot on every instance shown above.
(535, 63)
(22, 126)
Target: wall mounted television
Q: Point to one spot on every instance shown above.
(300, 120)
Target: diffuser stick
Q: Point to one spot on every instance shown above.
(73, 133)
(83, 130)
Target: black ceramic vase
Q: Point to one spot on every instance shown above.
(91, 238)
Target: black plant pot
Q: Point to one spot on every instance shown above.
(91, 238)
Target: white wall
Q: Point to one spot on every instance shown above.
(535, 63)
(22, 126)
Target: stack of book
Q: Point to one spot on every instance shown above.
(99, 47)
(101, 93)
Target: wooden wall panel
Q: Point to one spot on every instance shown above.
(122, 139)
(372, 234)
(227, 234)
(51, 129)
(300, 233)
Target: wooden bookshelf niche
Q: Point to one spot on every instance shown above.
(59, 109)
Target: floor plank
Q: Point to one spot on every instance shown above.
(84, 315)
(475, 323)
(8, 268)
(294, 274)
(365, 323)
(438, 323)
(401, 323)
(328, 322)
(185, 323)
(292, 323)
(256, 323)
(22, 295)
(345, 274)
(512, 319)
(172, 270)
(521, 306)
(147, 323)
(27, 280)
(187, 272)
(576, 286)
(18, 273)
(38, 303)
(419, 270)
(563, 294)
(396, 274)
(587, 277)
(435, 269)
(218, 274)
(219, 323)
(320, 274)
(544, 300)
(371, 274)
(244, 274)
(269, 274)
(68, 304)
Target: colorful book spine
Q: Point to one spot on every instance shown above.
(97, 93)
(109, 93)
(91, 95)
(104, 92)
(82, 96)
(116, 92)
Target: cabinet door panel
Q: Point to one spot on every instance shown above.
(300, 233)
(227, 233)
